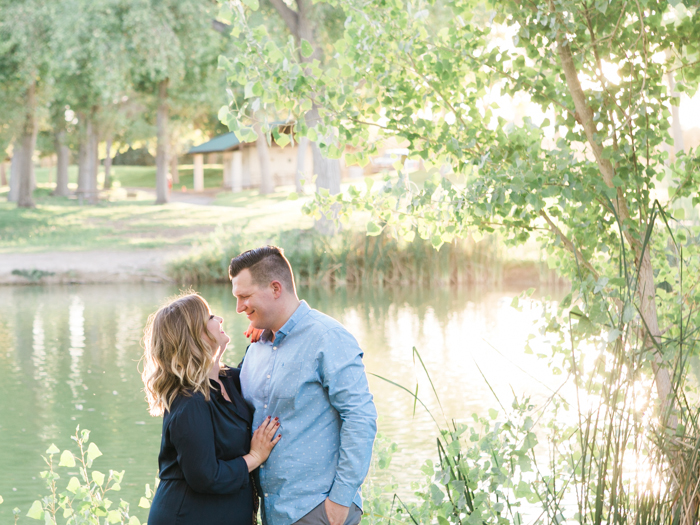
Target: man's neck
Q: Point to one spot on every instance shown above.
(286, 313)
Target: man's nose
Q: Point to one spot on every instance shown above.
(240, 306)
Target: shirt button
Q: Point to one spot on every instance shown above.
(266, 494)
(268, 376)
(265, 406)
(274, 348)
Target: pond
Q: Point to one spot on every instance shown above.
(69, 356)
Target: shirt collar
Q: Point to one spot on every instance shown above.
(300, 312)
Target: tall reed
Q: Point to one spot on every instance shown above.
(351, 258)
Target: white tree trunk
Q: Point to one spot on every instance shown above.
(301, 164)
(83, 168)
(678, 145)
(267, 185)
(28, 139)
(162, 196)
(93, 163)
(14, 171)
(62, 161)
(108, 164)
(174, 169)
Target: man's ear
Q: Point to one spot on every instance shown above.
(276, 289)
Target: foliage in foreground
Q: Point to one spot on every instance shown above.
(85, 499)
(591, 176)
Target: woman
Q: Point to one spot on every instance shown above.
(206, 452)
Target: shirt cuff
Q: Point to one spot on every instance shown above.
(342, 494)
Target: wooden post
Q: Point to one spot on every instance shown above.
(237, 171)
(228, 159)
(199, 172)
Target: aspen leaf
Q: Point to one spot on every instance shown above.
(306, 49)
(67, 459)
(36, 511)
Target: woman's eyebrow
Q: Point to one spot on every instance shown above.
(211, 316)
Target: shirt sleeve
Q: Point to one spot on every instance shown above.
(343, 375)
(192, 434)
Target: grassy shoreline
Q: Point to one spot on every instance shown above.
(353, 259)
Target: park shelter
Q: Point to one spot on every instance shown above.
(242, 164)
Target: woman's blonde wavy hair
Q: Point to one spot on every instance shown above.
(177, 359)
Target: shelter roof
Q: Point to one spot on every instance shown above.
(225, 142)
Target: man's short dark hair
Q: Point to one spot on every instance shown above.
(266, 264)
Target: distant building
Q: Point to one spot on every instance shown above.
(241, 164)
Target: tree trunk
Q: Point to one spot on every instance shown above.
(28, 139)
(174, 169)
(3, 174)
(108, 164)
(83, 168)
(267, 185)
(14, 173)
(162, 148)
(303, 145)
(327, 171)
(62, 160)
(91, 140)
(645, 287)
(678, 145)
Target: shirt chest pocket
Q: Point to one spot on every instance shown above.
(287, 379)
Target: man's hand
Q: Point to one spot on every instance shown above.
(337, 514)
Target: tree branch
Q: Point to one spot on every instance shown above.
(290, 17)
(569, 245)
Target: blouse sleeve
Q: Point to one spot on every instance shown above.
(192, 434)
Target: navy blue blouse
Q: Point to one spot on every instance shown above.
(203, 476)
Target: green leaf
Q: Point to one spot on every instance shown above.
(98, 477)
(248, 91)
(493, 413)
(273, 52)
(53, 449)
(67, 459)
(36, 511)
(282, 140)
(93, 452)
(253, 4)
(144, 503)
(113, 516)
(73, 485)
(133, 520)
(436, 495)
(1, 500)
(306, 48)
(373, 229)
(522, 490)
(293, 196)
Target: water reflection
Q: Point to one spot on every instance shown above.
(69, 356)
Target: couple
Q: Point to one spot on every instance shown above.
(302, 387)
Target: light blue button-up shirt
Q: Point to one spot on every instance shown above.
(312, 378)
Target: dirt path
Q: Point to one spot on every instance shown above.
(147, 265)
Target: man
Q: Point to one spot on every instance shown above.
(306, 370)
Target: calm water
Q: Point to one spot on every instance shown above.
(68, 356)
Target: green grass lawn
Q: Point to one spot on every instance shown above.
(140, 176)
(118, 222)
